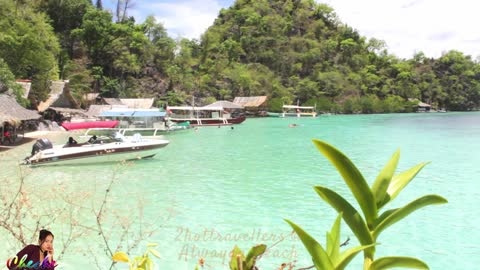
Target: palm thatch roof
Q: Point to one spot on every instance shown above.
(138, 103)
(131, 103)
(225, 104)
(68, 110)
(11, 111)
(59, 97)
(96, 110)
(26, 85)
(420, 103)
(113, 101)
(90, 96)
(256, 101)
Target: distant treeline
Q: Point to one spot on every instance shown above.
(288, 50)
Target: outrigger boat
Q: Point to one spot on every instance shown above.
(298, 111)
(203, 116)
(108, 147)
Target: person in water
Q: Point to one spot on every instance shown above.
(37, 256)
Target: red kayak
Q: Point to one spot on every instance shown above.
(87, 125)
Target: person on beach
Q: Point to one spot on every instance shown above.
(7, 137)
(37, 256)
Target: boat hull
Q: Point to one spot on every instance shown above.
(88, 154)
(298, 115)
(273, 114)
(210, 121)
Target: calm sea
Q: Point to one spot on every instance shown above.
(212, 189)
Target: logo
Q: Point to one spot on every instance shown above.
(45, 264)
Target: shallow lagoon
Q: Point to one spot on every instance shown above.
(217, 187)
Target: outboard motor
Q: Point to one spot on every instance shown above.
(41, 144)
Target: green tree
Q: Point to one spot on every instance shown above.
(65, 16)
(28, 46)
(7, 82)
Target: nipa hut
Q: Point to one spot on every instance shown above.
(12, 115)
(253, 105)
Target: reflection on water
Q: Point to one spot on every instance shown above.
(217, 187)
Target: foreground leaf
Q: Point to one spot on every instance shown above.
(154, 252)
(347, 256)
(384, 178)
(120, 257)
(233, 260)
(319, 255)
(401, 213)
(391, 262)
(400, 181)
(353, 219)
(253, 254)
(333, 240)
(352, 177)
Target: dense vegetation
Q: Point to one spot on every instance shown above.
(288, 50)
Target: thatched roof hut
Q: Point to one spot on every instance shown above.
(421, 106)
(12, 112)
(138, 103)
(113, 101)
(251, 102)
(226, 105)
(59, 97)
(131, 103)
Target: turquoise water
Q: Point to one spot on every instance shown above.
(217, 187)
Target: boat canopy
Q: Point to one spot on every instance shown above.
(133, 113)
(149, 114)
(297, 107)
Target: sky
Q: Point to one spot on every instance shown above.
(407, 26)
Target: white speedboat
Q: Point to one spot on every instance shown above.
(111, 147)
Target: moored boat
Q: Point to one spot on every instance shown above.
(204, 116)
(298, 111)
(108, 147)
(274, 114)
(148, 133)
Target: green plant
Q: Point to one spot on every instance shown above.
(386, 187)
(143, 262)
(238, 260)
(331, 258)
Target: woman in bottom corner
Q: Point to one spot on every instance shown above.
(37, 256)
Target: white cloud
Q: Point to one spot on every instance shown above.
(409, 26)
(185, 18)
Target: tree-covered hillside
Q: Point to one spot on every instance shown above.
(288, 50)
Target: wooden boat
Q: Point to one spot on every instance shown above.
(274, 114)
(203, 116)
(298, 111)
